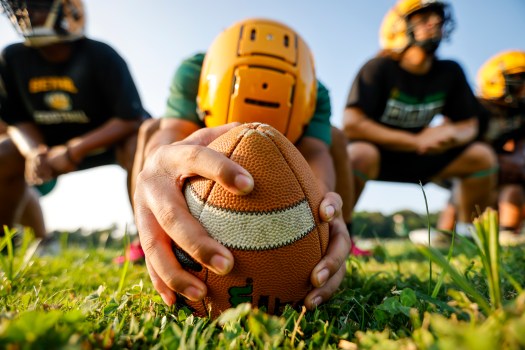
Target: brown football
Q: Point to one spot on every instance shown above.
(274, 232)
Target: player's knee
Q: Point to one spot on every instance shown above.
(481, 157)
(364, 157)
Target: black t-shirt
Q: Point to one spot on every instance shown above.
(398, 99)
(68, 99)
(501, 124)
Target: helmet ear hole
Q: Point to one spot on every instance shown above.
(286, 41)
(252, 35)
(265, 86)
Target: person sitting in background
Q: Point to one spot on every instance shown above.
(256, 70)
(394, 99)
(501, 91)
(70, 101)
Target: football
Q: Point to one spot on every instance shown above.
(274, 232)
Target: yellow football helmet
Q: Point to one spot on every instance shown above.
(394, 33)
(258, 70)
(495, 76)
(44, 22)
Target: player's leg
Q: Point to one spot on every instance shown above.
(510, 201)
(365, 162)
(476, 169)
(344, 184)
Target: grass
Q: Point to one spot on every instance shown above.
(79, 299)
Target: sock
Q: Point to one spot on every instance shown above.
(464, 229)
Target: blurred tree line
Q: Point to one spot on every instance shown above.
(399, 224)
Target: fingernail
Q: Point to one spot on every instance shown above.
(193, 293)
(329, 211)
(244, 183)
(167, 298)
(322, 277)
(317, 301)
(220, 264)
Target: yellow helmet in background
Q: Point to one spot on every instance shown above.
(394, 33)
(494, 77)
(258, 70)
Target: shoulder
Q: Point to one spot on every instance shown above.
(192, 64)
(449, 66)
(98, 50)
(189, 69)
(15, 50)
(376, 67)
(379, 63)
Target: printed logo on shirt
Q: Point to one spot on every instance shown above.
(407, 112)
(58, 117)
(58, 101)
(43, 84)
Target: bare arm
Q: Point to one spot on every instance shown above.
(107, 134)
(30, 144)
(170, 130)
(318, 156)
(357, 126)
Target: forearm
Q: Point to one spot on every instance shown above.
(358, 127)
(466, 131)
(171, 130)
(113, 131)
(317, 155)
(26, 137)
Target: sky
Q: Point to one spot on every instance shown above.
(155, 36)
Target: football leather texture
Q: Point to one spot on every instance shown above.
(274, 232)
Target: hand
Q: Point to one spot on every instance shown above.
(37, 169)
(60, 160)
(162, 215)
(330, 271)
(436, 139)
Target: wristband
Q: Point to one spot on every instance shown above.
(69, 158)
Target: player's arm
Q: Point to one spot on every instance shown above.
(317, 154)
(359, 127)
(170, 130)
(30, 144)
(109, 133)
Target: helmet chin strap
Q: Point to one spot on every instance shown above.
(430, 46)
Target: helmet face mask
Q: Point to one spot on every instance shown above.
(502, 78)
(44, 22)
(258, 70)
(397, 28)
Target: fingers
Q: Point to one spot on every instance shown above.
(336, 254)
(331, 206)
(160, 202)
(319, 295)
(205, 136)
(167, 275)
(329, 272)
(181, 161)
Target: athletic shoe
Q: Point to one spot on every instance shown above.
(437, 238)
(509, 238)
(355, 251)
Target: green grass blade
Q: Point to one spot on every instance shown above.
(458, 278)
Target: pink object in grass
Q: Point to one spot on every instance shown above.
(134, 254)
